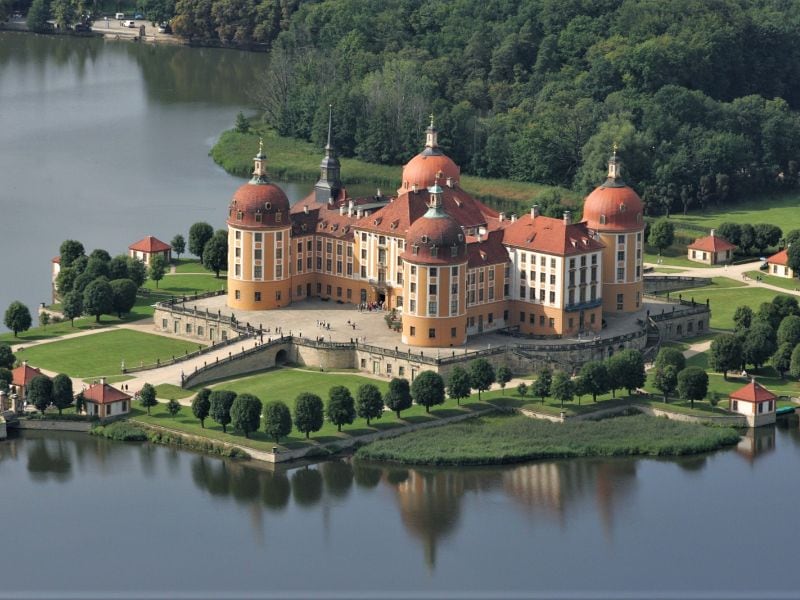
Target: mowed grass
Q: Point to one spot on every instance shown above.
(725, 299)
(285, 384)
(141, 310)
(673, 257)
(788, 284)
(185, 284)
(506, 439)
(102, 353)
(189, 265)
(297, 160)
(167, 391)
(780, 210)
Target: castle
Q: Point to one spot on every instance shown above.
(449, 264)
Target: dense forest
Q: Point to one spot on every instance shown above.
(701, 96)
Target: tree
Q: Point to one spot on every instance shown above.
(6, 377)
(541, 386)
(769, 313)
(178, 245)
(277, 420)
(758, 345)
(562, 388)
(98, 298)
(731, 232)
(594, 376)
(118, 267)
(794, 363)
(40, 392)
(782, 359)
(246, 414)
(147, 396)
(7, 358)
(504, 375)
(747, 236)
(215, 254)
(459, 384)
(69, 251)
(428, 389)
(789, 330)
(123, 296)
(18, 317)
(522, 389)
(766, 235)
(158, 267)
(97, 267)
(341, 408)
(742, 317)
(791, 237)
(626, 370)
(137, 272)
(44, 319)
(369, 402)
(199, 234)
(309, 413)
(662, 234)
(786, 305)
(580, 388)
(725, 354)
(692, 384)
(665, 378)
(173, 407)
(220, 407)
(242, 124)
(671, 356)
(399, 395)
(201, 406)
(793, 258)
(72, 306)
(481, 375)
(62, 392)
(65, 280)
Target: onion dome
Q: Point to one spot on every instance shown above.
(614, 206)
(422, 170)
(435, 238)
(259, 202)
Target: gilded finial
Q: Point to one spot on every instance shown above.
(431, 116)
(261, 145)
(615, 147)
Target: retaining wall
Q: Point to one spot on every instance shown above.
(82, 426)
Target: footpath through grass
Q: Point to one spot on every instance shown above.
(103, 353)
(297, 160)
(505, 439)
(788, 284)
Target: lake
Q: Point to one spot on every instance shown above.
(89, 515)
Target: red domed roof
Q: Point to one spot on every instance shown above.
(423, 168)
(435, 238)
(613, 208)
(259, 205)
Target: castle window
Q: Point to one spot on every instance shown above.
(258, 296)
(258, 217)
(414, 249)
(257, 237)
(434, 251)
(279, 236)
(454, 251)
(257, 274)
(237, 294)
(431, 333)
(412, 331)
(239, 215)
(433, 272)
(278, 295)
(267, 205)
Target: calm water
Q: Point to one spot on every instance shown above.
(93, 515)
(107, 142)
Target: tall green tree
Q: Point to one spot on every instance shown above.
(398, 397)
(789, 330)
(670, 356)
(662, 234)
(70, 250)
(63, 395)
(7, 358)
(766, 235)
(199, 234)
(173, 407)
(123, 296)
(40, 392)
(341, 408)
(98, 298)
(309, 413)
(541, 386)
(626, 370)
(742, 317)
(178, 245)
(794, 363)
(594, 378)
(220, 409)
(158, 268)
(118, 267)
(369, 402)
(562, 388)
(246, 414)
(147, 397)
(782, 359)
(277, 420)
(665, 379)
(427, 389)
(459, 384)
(201, 405)
(215, 254)
(137, 272)
(725, 354)
(503, 375)
(72, 306)
(481, 375)
(758, 345)
(692, 384)
(17, 317)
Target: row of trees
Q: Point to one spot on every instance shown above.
(210, 246)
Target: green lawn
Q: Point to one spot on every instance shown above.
(167, 391)
(187, 283)
(787, 284)
(673, 257)
(297, 160)
(102, 353)
(778, 209)
(189, 265)
(725, 299)
(142, 310)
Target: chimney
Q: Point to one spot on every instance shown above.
(534, 211)
(359, 213)
(414, 188)
(350, 204)
(450, 182)
(479, 235)
(330, 202)
(502, 217)
(567, 217)
(24, 363)
(305, 209)
(713, 231)
(341, 209)
(513, 217)
(102, 381)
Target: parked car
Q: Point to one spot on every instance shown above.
(130, 24)
(119, 16)
(138, 16)
(82, 27)
(164, 28)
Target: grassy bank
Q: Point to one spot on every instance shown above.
(296, 160)
(506, 439)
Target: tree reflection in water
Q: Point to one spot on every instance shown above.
(49, 459)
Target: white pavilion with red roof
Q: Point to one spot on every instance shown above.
(148, 247)
(755, 402)
(104, 401)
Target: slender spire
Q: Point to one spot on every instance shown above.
(435, 201)
(329, 183)
(260, 165)
(431, 140)
(614, 169)
(328, 146)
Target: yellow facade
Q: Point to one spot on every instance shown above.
(435, 308)
(623, 281)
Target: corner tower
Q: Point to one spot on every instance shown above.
(329, 183)
(258, 243)
(616, 213)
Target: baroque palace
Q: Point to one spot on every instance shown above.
(449, 264)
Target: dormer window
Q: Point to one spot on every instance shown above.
(278, 217)
(424, 239)
(460, 237)
(638, 217)
(267, 205)
(258, 217)
(303, 227)
(602, 219)
(622, 208)
(454, 251)
(239, 215)
(414, 249)
(434, 251)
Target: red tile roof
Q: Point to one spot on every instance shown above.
(23, 374)
(712, 243)
(488, 251)
(781, 258)
(102, 393)
(326, 219)
(618, 205)
(150, 244)
(753, 392)
(56, 259)
(551, 236)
